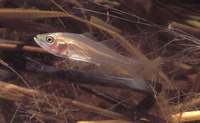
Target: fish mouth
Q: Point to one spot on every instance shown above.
(40, 42)
(37, 40)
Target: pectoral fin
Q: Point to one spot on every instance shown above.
(79, 54)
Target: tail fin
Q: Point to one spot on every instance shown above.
(147, 69)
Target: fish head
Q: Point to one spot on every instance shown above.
(63, 45)
(54, 43)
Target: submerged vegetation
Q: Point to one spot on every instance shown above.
(36, 86)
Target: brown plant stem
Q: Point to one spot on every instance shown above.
(23, 48)
(21, 94)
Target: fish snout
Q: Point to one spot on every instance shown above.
(38, 38)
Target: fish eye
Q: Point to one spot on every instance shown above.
(49, 39)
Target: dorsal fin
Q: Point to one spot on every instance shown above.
(116, 46)
(89, 35)
(111, 43)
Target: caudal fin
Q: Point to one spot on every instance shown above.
(146, 69)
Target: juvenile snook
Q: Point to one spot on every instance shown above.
(80, 48)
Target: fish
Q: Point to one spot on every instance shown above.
(77, 47)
